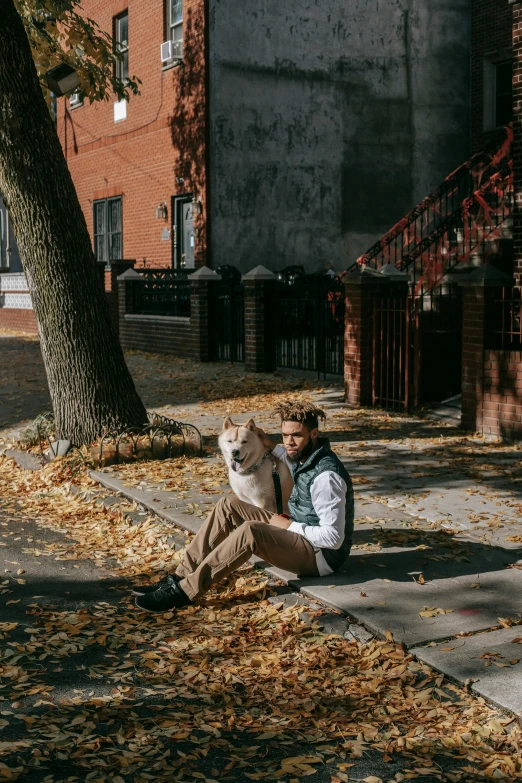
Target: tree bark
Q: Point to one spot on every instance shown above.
(90, 385)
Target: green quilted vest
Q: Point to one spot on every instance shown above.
(300, 504)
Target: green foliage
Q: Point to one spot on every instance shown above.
(58, 33)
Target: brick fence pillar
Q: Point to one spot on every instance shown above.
(480, 288)
(202, 289)
(363, 285)
(260, 340)
(126, 285)
(117, 269)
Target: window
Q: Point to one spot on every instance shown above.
(175, 25)
(75, 99)
(121, 40)
(503, 93)
(108, 230)
(3, 239)
(498, 90)
(183, 233)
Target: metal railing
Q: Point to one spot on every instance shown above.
(459, 226)
(165, 292)
(390, 355)
(455, 223)
(228, 321)
(506, 321)
(310, 325)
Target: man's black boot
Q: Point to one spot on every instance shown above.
(146, 589)
(169, 595)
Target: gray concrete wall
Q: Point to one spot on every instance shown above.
(329, 121)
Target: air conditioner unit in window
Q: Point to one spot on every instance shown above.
(166, 51)
(171, 50)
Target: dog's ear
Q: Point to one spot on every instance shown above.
(251, 425)
(228, 423)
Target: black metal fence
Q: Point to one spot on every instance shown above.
(308, 315)
(391, 352)
(417, 347)
(227, 320)
(505, 320)
(164, 292)
(310, 324)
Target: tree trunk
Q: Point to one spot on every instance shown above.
(90, 384)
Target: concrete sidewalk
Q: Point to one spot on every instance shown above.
(432, 562)
(438, 531)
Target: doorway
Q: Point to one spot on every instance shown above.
(183, 232)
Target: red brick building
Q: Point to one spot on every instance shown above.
(140, 167)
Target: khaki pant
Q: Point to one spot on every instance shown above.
(231, 534)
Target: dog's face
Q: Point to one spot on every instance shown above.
(239, 443)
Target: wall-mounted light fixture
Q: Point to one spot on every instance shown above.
(62, 79)
(162, 211)
(180, 181)
(197, 206)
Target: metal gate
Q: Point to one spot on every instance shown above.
(439, 343)
(310, 325)
(227, 320)
(417, 348)
(391, 352)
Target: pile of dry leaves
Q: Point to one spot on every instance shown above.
(208, 693)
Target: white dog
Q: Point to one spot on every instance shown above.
(250, 466)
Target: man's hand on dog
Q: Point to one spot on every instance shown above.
(279, 521)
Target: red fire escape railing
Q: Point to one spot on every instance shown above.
(457, 223)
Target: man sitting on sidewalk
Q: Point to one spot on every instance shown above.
(314, 541)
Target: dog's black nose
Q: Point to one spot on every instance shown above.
(235, 453)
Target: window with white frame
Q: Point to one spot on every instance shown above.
(175, 25)
(498, 91)
(76, 99)
(121, 41)
(3, 239)
(108, 245)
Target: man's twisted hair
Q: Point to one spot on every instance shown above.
(304, 412)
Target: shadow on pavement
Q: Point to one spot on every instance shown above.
(441, 556)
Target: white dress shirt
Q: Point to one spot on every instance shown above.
(328, 491)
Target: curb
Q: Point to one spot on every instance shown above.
(137, 496)
(335, 622)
